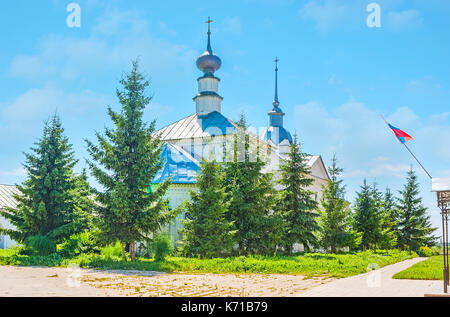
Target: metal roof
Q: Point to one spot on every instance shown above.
(179, 165)
(196, 126)
(6, 196)
(272, 133)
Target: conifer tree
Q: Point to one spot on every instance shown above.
(207, 233)
(296, 206)
(366, 217)
(335, 215)
(413, 223)
(128, 158)
(53, 202)
(389, 220)
(384, 236)
(252, 198)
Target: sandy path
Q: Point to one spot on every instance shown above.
(377, 283)
(63, 282)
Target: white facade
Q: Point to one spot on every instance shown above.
(7, 201)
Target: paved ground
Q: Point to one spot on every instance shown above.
(377, 283)
(63, 282)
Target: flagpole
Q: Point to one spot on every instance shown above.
(417, 161)
(404, 143)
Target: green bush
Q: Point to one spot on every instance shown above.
(40, 245)
(162, 246)
(113, 250)
(427, 251)
(85, 242)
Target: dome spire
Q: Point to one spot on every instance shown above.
(276, 103)
(209, 49)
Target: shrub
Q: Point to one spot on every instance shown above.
(41, 245)
(427, 251)
(85, 242)
(113, 250)
(162, 246)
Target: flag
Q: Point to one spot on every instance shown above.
(402, 136)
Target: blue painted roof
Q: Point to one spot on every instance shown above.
(283, 134)
(178, 164)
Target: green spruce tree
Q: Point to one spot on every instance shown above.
(252, 197)
(335, 215)
(384, 236)
(128, 157)
(206, 232)
(413, 222)
(53, 202)
(296, 206)
(366, 217)
(389, 221)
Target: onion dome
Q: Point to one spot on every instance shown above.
(208, 62)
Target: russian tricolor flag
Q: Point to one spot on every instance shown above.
(401, 135)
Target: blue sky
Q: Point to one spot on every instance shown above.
(336, 74)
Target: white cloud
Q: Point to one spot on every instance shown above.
(424, 86)
(327, 15)
(72, 58)
(233, 25)
(26, 113)
(334, 80)
(20, 171)
(403, 20)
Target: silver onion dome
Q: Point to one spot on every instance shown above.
(208, 62)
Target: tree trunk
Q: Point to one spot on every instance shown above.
(133, 251)
(123, 251)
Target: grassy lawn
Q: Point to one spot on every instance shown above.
(430, 269)
(310, 264)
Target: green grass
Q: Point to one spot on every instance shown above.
(310, 264)
(430, 269)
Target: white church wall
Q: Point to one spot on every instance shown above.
(5, 241)
(177, 194)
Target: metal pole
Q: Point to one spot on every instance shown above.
(446, 246)
(444, 271)
(417, 160)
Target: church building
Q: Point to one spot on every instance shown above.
(189, 140)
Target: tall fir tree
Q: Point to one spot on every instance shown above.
(252, 197)
(389, 220)
(413, 222)
(335, 215)
(128, 158)
(206, 232)
(366, 217)
(53, 202)
(296, 206)
(385, 235)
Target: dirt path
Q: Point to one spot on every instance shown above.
(62, 282)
